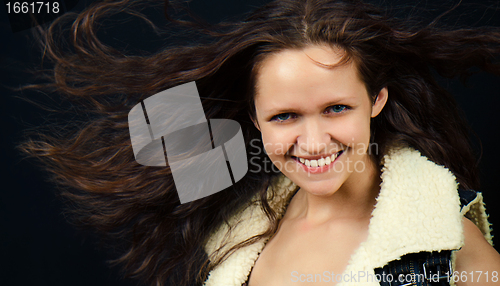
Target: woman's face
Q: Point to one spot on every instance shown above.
(314, 119)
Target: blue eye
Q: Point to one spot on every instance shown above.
(282, 117)
(336, 108)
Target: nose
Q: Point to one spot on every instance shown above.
(313, 137)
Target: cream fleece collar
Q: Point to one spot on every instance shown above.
(418, 209)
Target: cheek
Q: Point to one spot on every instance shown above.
(352, 132)
(360, 137)
(276, 143)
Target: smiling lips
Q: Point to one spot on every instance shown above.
(324, 161)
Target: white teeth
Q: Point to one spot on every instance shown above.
(321, 162)
(328, 161)
(314, 163)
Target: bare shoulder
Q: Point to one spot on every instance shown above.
(478, 257)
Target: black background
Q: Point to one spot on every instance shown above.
(38, 246)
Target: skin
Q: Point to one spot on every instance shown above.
(307, 109)
(476, 255)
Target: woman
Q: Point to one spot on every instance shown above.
(338, 95)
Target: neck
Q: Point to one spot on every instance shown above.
(355, 199)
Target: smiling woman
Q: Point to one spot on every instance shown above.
(375, 168)
(327, 129)
(327, 111)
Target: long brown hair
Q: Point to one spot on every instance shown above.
(162, 241)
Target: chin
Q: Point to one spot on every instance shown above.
(319, 187)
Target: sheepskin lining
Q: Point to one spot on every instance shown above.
(418, 209)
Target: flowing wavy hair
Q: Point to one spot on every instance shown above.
(160, 239)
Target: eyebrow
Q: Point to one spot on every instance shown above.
(275, 111)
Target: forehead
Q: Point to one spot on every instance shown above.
(307, 77)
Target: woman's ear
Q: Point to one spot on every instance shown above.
(380, 102)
